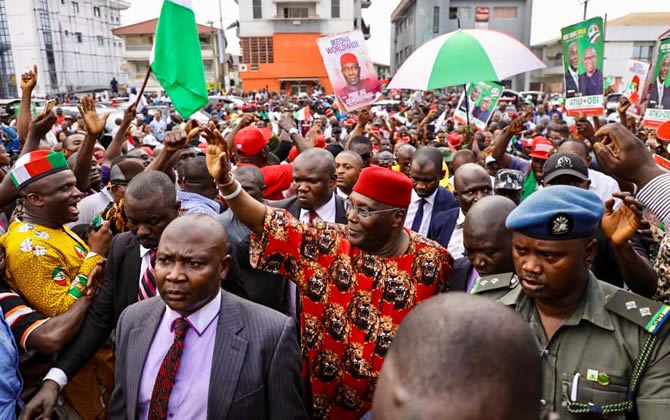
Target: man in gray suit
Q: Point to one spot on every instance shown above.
(199, 352)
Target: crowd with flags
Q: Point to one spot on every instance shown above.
(445, 252)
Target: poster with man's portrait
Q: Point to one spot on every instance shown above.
(658, 97)
(477, 103)
(633, 85)
(583, 67)
(350, 69)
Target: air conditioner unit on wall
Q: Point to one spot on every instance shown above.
(243, 67)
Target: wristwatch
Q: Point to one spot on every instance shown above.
(293, 131)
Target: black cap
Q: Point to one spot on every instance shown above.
(564, 163)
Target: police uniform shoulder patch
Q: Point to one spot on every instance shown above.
(647, 313)
(494, 282)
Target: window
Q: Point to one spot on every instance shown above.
(397, 59)
(406, 53)
(461, 13)
(335, 8)
(208, 66)
(453, 13)
(257, 49)
(642, 51)
(96, 11)
(257, 9)
(295, 12)
(78, 35)
(75, 7)
(504, 12)
(436, 20)
(101, 41)
(254, 67)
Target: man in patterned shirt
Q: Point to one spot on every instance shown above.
(355, 282)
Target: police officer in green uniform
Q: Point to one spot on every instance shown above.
(604, 350)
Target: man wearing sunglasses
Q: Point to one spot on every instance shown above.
(355, 283)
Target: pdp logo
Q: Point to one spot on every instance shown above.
(594, 33)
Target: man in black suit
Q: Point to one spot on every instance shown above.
(314, 180)
(572, 77)
(487, 242)
(429, 211)
(150, 204)
(236, 359)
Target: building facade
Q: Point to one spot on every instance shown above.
(278, 41)
(414, 22)
(631, 36)
(70, 41)
(138, 41)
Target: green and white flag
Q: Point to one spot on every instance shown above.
(176, 57)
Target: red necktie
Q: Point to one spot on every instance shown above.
(312, 216)
(167, 373)
(147, 287)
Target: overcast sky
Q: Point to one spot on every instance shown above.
(549, 16)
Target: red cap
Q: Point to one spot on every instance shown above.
(541, 148)
(349, 121)
(267, 133)
(329, 112)
(528, 142)
(244, 108)
(433, 107)
(320, 142)
(384, 185)
(149, 150)
(663, 131)
(99, 153)
(404, 139)
(250, 140)
(455, 139)
(348, 58)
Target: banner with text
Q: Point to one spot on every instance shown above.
(350, 69)
(482, 99)
(583, 67)
(637, 74)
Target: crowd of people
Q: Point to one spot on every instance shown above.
(385, 263)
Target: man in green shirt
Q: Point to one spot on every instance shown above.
(604, 350)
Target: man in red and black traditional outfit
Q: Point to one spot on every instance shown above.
(355, 282)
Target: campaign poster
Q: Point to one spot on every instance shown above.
(634, 82)
(480, 100)
(583, 67)
(350, 69)
(658, 101)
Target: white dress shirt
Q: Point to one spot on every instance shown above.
(427, 212)
(455, 246)
(326, 212)
(604, 186)
(342, 195)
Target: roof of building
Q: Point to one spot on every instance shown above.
(149, 27)
(641, 19)
(400, 8)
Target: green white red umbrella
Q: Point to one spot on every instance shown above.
(464, 56)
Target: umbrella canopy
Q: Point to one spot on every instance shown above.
(464, 56)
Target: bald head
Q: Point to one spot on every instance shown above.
(316, 159)
(462, 157)
(352, 157)
(471, 183)
(442, 371)
(252, 181)
(488, 243)
(406, 151)
(191, 262)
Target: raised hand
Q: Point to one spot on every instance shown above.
(41, 125)
(517, 126)
(623, 106)
(218, 164)
(620, 225)
(585, 129)
(29, 80)
(623, 155)
(129, 114)
(175, 140)
(94, 124)
(95, 279)
(286, 122)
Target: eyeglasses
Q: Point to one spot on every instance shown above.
(363, 212)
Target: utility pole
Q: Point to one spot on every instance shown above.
(586, 3)
(223, 42)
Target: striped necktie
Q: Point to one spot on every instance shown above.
(147, 287)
